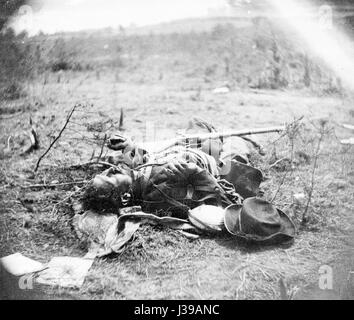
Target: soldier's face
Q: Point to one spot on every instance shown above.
(117, 183)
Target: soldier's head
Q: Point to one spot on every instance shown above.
(108, 192)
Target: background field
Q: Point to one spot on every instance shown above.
(164, 80)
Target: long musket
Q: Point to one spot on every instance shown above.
(198, 138)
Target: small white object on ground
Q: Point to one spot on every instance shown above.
(299, 197)
(65, 272)
(348, 126)
(18, 265)
(347, 141)
(221, 90)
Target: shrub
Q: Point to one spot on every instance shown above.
(12, 92)
(15, 66)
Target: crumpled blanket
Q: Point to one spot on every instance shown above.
(108, 233)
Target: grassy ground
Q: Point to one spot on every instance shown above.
(161, 263)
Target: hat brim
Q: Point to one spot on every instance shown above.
(232, 218)
(288, 228)
(232, 221)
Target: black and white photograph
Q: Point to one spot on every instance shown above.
(190, 151)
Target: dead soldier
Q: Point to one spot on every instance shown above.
(204, 184)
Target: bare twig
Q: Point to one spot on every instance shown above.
(295, 123)
(11, 115)
(92, 155)
(57, 137)
(277, 162)
(291, 133)
(92, 163)
(102, 146)
(312, 183)
(279, 186)
(51, 185)
(121, 119)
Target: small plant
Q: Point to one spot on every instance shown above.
(297, 161)
(64, 57)
(322, 131)
(12, 91)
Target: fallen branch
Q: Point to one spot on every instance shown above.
(51, 185)
(92, 163)
(57, 137)
(11, 115)
(277, 162)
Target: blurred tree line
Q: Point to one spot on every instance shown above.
(7, 9)
(343, 9)
(14, 66)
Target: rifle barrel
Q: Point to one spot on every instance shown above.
(158, 146)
